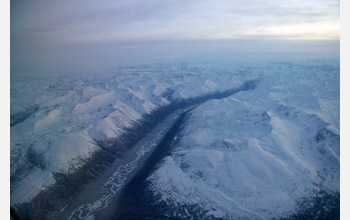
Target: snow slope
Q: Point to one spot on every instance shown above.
(260, 153)
(57, 120)
(256, 154)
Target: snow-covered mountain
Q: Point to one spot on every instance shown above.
(56, 120)
(258, 154)
(254, 154)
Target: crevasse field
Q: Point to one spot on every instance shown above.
(178, 141)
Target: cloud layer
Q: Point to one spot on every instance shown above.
(114, 20)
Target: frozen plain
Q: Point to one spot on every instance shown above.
(255, 154)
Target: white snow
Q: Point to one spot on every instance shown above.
(252, 155)
(59, 117)
(256, 154)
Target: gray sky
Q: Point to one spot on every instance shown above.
(66, 35)
(113, 20)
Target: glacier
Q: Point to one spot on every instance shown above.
(255, 154)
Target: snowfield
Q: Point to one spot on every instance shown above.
(257, 154)
(56, 120)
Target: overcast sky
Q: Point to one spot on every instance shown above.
(113, 20)
(62, 35)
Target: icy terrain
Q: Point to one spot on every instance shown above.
(255, 154)
(57, 120)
